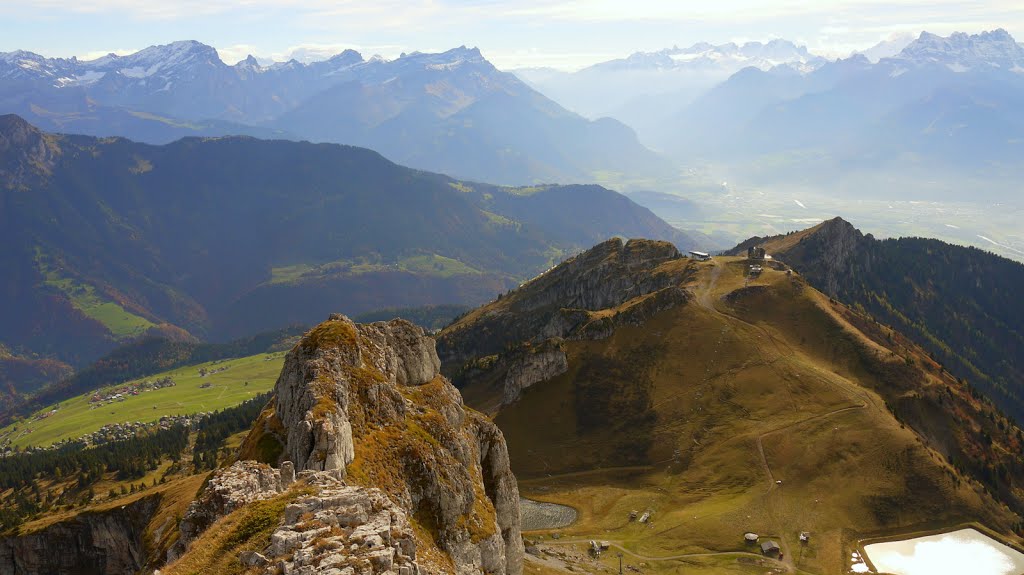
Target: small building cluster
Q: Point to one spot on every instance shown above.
(108, 396)
(598, 547)
(203, 372)
(112, 432)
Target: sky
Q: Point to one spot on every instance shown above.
(567, 34)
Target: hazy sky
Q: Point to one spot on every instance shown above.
(511, 33)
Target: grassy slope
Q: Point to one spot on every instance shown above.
(121, 323)
(725, 375)
(426, 264)
(75, 417)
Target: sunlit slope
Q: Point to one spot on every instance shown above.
(758, 405)
(240, 379)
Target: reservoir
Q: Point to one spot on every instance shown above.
(539, 515)
(953, 553)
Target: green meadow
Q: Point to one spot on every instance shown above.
(121, 323)
(243, 378)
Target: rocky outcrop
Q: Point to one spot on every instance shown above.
(341, 530)
(367, 404)
(228, 490)
(110, 542)
(312, 396)
(828, 254)
(25, 153)
(531, 365)
(515, 342)
(329, 528)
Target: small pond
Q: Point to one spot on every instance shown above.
(539, 515)
(953, 553)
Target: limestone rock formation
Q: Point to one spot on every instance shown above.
(25, 153)
(368, 404)
(343, 529)
(513, 343)
(228, 490)
(830, 253)
(533, 365)
(328, 528)
(110, 542)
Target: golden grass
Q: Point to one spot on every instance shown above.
(246, 529)
(779, 364)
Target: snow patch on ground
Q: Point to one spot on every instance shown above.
(139, 72)
(89, 77)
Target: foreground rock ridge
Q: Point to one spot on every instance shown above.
(391, 472)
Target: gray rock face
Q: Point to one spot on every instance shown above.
(107, 543)
(517, 340)
(344, 529)
(833, 252)
(338, 529)
(346, 385)
(25, 153)
(228, 490)
(312, 401)
(531, 366)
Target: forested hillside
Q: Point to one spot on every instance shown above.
(959, 303)
(107, 240)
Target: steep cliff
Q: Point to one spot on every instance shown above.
(368, 420)
(110, 542)
(516, 341)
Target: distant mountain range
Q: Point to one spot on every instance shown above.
(634, 88)
(940, 117)
(452, 112)
(106, 239)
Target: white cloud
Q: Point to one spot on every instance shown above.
(101, 53)
(237, 53)
(566, 34)
(305, 53)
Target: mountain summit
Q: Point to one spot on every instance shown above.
(452, 112)
(730, 395)
(940, 295)
(960, 51)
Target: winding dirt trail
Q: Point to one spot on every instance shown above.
(618, 545)
(706, 297)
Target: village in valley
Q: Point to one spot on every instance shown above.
(183, 395)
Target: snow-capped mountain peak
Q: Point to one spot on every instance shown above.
(728, 57)
(962, 52)
(452, 59)
(174, 55)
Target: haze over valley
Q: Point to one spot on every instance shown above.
(515, 287)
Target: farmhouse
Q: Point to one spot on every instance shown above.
(770, 548)
(700, 256)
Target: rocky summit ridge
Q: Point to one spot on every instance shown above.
(391, 473)
(517, 341)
